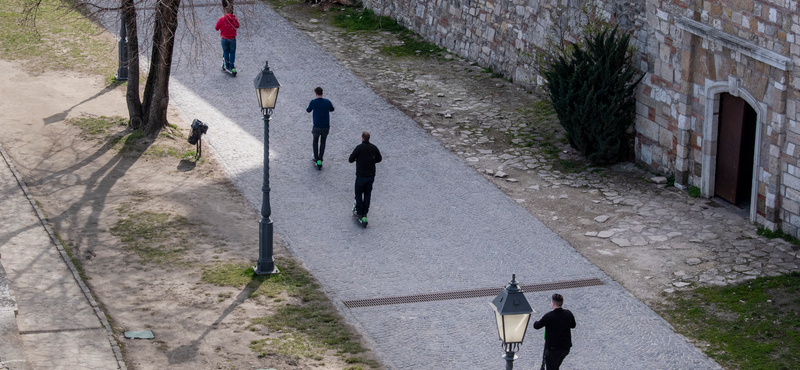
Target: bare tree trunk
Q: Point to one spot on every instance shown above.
(156, 90)
(132, 93)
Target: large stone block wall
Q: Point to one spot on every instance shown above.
(691, 52)
(499, 34)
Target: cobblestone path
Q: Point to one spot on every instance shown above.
(436, 225)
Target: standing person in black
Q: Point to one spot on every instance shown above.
(322, 109)
(365, 155)
(557, 335)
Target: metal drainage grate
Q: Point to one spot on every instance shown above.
(472, 293)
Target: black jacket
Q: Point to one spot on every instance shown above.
(557, 324)
(365, 155)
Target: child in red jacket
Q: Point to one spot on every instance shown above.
(227, 25)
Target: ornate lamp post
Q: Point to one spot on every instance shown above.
(267, 87)
(512, 312)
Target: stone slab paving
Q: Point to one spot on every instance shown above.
(435, 224)
(59, 327)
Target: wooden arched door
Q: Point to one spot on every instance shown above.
(735, 150)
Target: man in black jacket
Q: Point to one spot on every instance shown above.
(365, 155)
(557, 335)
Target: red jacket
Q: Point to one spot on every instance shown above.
(227, 25)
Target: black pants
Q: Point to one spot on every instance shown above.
(320, 136)
(363, 194)
(553, 358)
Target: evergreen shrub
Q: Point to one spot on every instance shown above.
(592, 87)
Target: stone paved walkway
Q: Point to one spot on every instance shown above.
(658, 233)
(435, 225)
(59, 327)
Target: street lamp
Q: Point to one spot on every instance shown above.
(512, 312)
(267, 87)
(122, 71)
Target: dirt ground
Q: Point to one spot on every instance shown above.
(91, 190)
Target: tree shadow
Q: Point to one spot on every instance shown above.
(7, 235)
(58, 117)
(188, 352)
(96, 190)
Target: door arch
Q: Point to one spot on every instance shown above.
(714, 91)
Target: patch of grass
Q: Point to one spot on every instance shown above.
(97, 126)
(277, 4)
(359, 360)
(311, 327)
(163, 151)
(155, 237)
(753, 325)
(171, 131)
(769, 234)
(135, 141)
(570, 166)
(694, 191)
(492, 72)
(542, 109)
(157, 150)
(240, 274)
(670, 181)
(62, 40)
(412, 45)
(69, 248)
(292, 345)
(549, 149)
(352, 19)
(539, 128)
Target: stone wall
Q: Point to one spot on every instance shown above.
(691, 53)
(745, 48)
(498, 34)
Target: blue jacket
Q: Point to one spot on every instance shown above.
(322, 112)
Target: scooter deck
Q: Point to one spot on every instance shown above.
(360, 222)
(228, 71)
